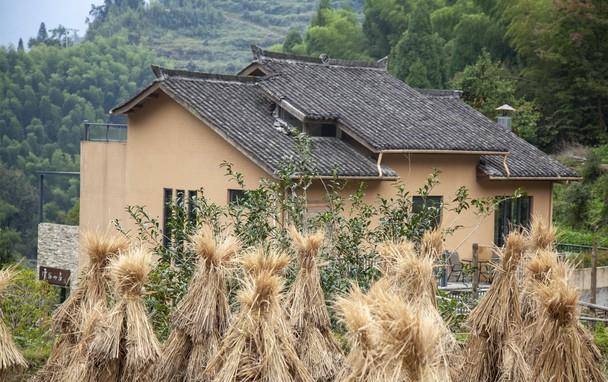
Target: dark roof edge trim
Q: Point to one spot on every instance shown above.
(350, 177)
(129, 104)
(260, 54)
(162, 73)
(548, 178)
(424, 151)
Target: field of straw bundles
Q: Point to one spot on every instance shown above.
(245, 318)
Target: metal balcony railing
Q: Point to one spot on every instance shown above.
(104, 132)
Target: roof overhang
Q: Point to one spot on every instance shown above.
(422, 151)
(322, 177)
(136, 100)
(538, 178)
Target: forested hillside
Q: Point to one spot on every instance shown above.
(547, 58)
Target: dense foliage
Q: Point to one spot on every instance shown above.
(45, 95)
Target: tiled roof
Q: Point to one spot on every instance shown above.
(524, 159)
(376, 109)
(241, 113)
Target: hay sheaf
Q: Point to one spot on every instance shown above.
(496, 319)
(390, 340)
(92, 291)
(124, 346)
(565, 350)
(92, 287)
(409, 274)
(11, 358)
(201, 317)
(315, 343)
(259, 344)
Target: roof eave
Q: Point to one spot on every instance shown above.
(128, 105)
(433, 151)
(350, 177)
(538, 178)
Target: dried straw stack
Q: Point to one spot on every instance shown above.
(259, 344)
(355, 312)
(493, 352)
(91, 293)
(315, 343)
(540, 254)
(10, 357)
(409, 275)
(566, 352)
(390, 340)
(201, 318)
(125, 347)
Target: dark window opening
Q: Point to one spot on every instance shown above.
(431, 205)
(192, 195)
(510, 215)
(322, 130)
(236, 196)
(290, 119)
(167, 199)
(179, 197)
(257, 73)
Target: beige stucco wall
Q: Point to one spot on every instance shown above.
(168, 147)
(455, 170)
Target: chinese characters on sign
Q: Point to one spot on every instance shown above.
(54, 276)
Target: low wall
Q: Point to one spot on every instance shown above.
(59, 247)
(581, 278)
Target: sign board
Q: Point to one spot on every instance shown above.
(54, 276)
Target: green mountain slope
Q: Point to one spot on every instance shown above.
(210, 35)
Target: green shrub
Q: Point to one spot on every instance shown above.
(27, 305)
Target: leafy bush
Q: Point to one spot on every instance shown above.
(26, 307)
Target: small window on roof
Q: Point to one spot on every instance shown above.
(322, 129)
(257, 73)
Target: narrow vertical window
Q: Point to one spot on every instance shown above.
(511, 214)
(167, 199)
(192, 195)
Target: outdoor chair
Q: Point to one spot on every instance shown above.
(455, 269)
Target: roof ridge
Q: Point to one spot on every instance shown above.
(261, 54)
(162, 73)
(433, 93)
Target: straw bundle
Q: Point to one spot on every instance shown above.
(10, 357)
(125, 347)
(390, 341)
(410, 276)
(92, 291)
(566, 351)
(407, 344)
(496, 320)
(355, 312)
(542, 236)
(77, 370)
(201, 317)
(315, 343)
(259, 344)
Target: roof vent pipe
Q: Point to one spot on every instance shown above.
(504, 118)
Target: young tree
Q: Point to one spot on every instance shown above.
(420, 44)
(385, 21)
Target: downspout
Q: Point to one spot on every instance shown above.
(506, 165)
(378, 164)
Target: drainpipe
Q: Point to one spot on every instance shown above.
(379, 164)
(506, 165)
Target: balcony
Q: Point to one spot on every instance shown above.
(104, 132)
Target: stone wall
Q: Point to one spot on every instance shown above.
(59, 247)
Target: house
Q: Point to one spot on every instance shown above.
(363, 123)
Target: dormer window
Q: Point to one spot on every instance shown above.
(322, 129)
